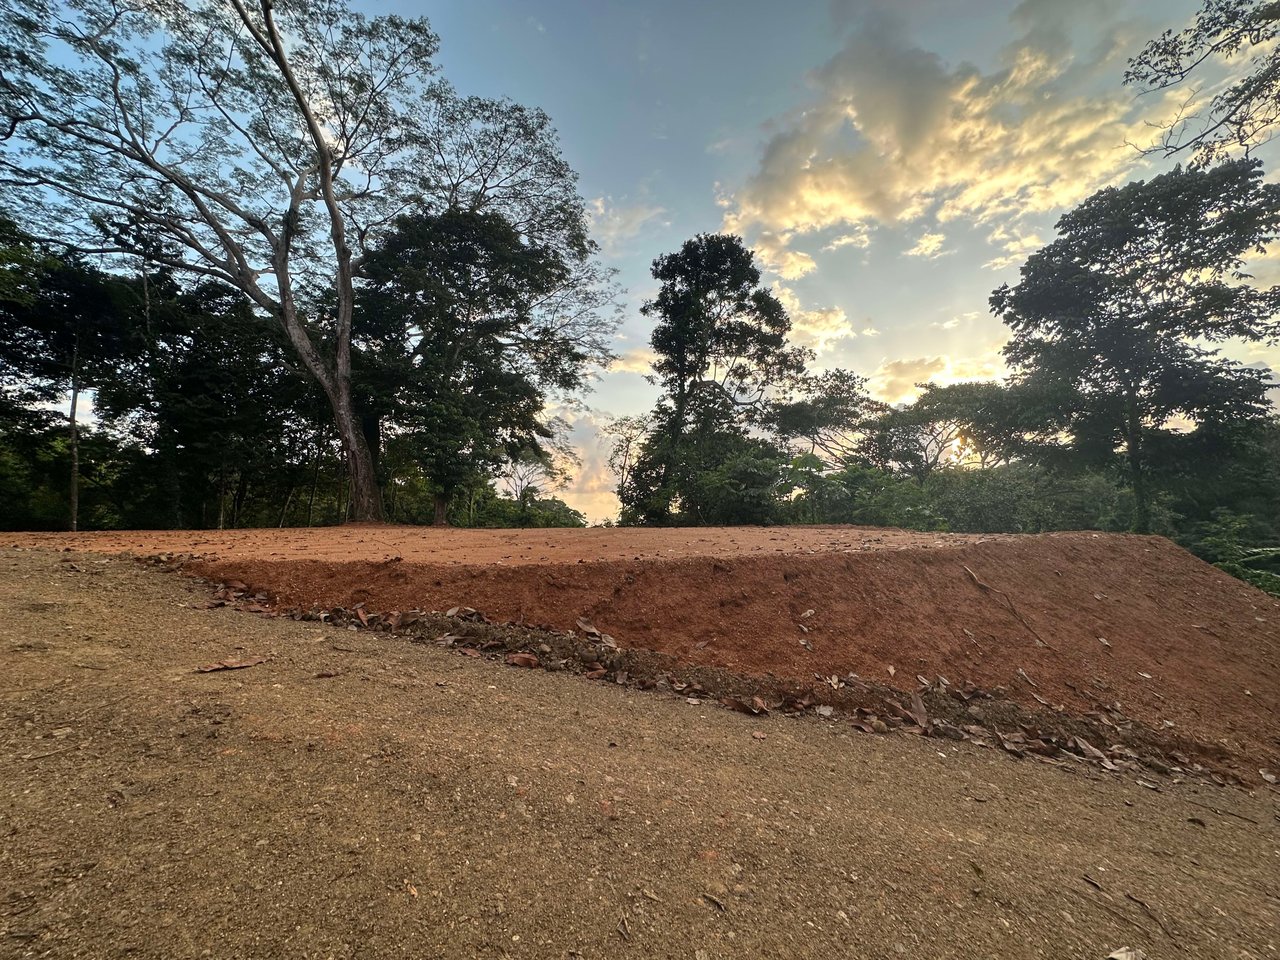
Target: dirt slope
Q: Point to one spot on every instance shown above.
(1186, 645)
(357, 796)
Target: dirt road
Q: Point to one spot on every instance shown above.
(359, 796)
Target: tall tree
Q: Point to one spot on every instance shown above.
(60, 323)
(1239, 115)
(264, 144)
(721, 344)
(1112, 315)
(458, 354)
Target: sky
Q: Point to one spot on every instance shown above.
(891, 163)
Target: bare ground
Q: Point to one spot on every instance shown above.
(359, 796)
(1078, 624)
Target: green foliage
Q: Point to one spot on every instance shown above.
(454, 353)
(1108, 319)
(721, 344)
(1225, 542)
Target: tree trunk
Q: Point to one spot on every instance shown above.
(315, 480)
(285, 509)
(1137, 473)
(366, 497)
(241, 494)
(442, 511)
(222, 496)
(75, 437)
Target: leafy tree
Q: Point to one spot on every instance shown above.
(204, 385)
(264, 144)
(627, 435)
(721, 345)
(1110, 317)
(720, 337)
(911, 440)
(456, 350)
(1243, 114)
(60, 322)
(827, 414)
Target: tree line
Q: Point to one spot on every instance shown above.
(1120, 413)
(306, 281)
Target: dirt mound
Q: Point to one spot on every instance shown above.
(451, 547)
(1085, 622)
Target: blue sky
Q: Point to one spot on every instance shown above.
(890, 162)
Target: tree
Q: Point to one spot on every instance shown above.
(60, 321)
(721, 345)
(827, 413)
(1243, 114)
(1110, 317)
(266, 145)
(456, 350)
(204, 386)
(627, 434)
(980, 423)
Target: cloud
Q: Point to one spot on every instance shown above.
(895, 135)
(593, 487)
(929, 246)
(817, 328)
(774, 253)
(894, 381)
(860, 238)
(1017, 246)
(639, 360)
(613, 224)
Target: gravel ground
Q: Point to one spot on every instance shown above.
(359, 796)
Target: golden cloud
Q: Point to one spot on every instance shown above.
(895, 381)
(896, 135)
(817, 328)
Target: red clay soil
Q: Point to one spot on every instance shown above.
(452, 547)
(1186, 644)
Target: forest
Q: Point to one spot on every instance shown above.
(370, 296)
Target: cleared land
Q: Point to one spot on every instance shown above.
(1070, 624)
(360, 796)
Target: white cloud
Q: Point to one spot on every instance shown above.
(1017, 246)
(612, 224)
(639, 360)
(929, 246)
(894, 381)
(860, 238)
(870, 332)
(817, 328)
(774, 253)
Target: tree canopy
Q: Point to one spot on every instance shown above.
(1112, 316)
(267, 146)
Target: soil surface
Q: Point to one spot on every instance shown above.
(355, 795)
(1079, 623)
(450, 547)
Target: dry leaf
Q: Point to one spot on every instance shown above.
(522, 660)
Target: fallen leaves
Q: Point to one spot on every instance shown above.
(755, 708)
(526, 660)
